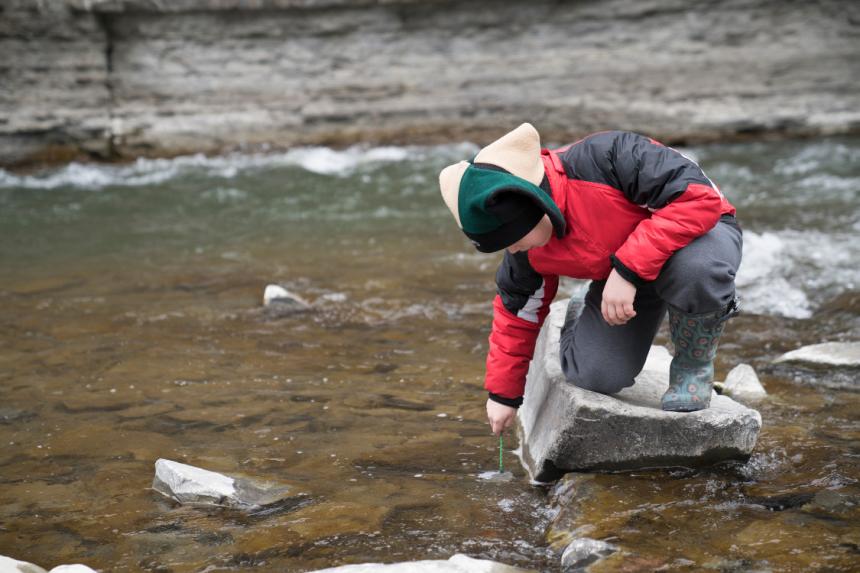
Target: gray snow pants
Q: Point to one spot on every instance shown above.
(696, 279)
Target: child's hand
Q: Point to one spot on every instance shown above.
(501, 417)
(617, 304)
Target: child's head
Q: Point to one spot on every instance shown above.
(500, 198)
(537, 237)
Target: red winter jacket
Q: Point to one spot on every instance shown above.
(629, 203)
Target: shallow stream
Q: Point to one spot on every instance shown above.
(131, 329)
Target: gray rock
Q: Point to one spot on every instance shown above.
(278, 295)
(835, 504)
(458, 563)
(833, 365)
(563, 428)
(583, 552)
(9, 415)
(825, 354)
(130, 77)
(742, 384)
(195, 486)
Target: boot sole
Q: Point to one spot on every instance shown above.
(683, 408)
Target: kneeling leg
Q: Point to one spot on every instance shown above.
(603, 358)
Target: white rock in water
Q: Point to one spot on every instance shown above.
(827, 354)
(564, 428)
(458, 563)
(742, 384)
(9, 565)
(192, 485)
(583, 552)
(280, 295)
(189, 484)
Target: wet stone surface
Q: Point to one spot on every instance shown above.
(564, 428)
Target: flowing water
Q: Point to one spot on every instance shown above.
(131, 329)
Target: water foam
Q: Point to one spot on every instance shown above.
(817, 156)
(142, 172)
(787, 273)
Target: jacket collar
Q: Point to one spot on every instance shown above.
(557, 177)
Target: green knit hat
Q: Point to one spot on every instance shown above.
(501, 194)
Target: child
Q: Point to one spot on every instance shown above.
(639, 219)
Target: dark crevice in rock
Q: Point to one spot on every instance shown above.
(104, 22)
(781, 502)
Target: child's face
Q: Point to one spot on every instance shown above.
(537, 237)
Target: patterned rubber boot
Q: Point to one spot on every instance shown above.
(691, 374)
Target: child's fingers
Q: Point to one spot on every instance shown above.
(611, 310)
(628, 310)
(604, 310)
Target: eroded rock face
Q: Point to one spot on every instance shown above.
(131, 77)
(564, 428)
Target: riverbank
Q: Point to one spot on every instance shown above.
(113, 79)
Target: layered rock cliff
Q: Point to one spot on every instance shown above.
(114, 78)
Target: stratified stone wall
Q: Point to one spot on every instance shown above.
(54, 98)
(129, 77)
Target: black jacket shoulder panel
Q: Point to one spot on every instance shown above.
(591, 159)
(517, 281)
(649, 174)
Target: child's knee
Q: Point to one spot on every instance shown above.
(599, 379)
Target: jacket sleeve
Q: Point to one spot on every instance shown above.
(684, 203)
(519, 310)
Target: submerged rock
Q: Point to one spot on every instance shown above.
(195, 486)
(825, 354)
(564, 428)
(742, 384)
(458, 563)
(496, 476)
(9, 415)
(583, 552)
(9, 565)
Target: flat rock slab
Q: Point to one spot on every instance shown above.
(563, 428)
(825, 354)
(191, 485)
(458, 563)
(834, 365)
